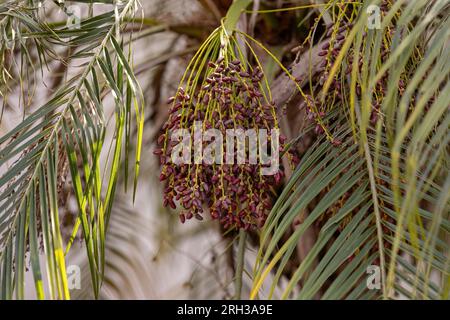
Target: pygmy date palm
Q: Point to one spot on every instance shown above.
(359, 208)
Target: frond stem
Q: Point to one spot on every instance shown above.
(240, 264)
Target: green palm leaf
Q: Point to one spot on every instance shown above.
(68, 132)
(397, 212)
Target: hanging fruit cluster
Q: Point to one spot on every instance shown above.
(336, 34)
(233, 95)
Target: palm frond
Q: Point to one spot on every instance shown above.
(396, 213)
(68, 133)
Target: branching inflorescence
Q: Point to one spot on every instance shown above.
(232, 95)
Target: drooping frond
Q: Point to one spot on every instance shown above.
(383, 193)
(68, 134)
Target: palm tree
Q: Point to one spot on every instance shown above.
(361, 90)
